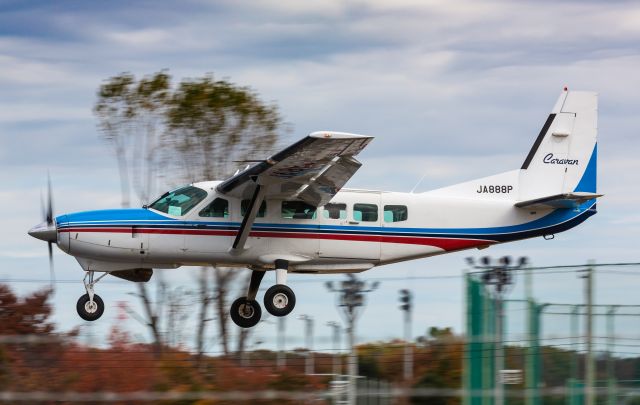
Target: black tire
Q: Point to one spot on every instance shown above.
(279, 300)
(86, 312)
(245, 313)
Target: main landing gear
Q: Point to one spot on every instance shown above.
(279, 300)
(90, 306)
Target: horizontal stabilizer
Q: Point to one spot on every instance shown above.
(568, 200)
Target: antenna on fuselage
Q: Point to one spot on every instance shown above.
(418, 183)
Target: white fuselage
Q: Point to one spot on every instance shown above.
(343, 241)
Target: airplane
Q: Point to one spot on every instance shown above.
(291, 213)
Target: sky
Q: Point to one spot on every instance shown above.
(452, 90)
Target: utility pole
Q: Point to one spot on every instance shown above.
(611, 372)
(351, 299)
(336, 346)
(406, 306)
(590, 365)
(308, 329)
(532, 365)
(499, 276)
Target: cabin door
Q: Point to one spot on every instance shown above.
(351, 230)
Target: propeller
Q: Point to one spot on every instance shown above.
(49, 218)
(46, 231)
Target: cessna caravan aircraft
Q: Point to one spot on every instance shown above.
(290, 213)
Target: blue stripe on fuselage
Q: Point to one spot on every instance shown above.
(555, 221)
(126, 215)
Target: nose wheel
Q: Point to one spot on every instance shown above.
(90, 306)
(88, 309)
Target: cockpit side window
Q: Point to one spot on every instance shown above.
(180, 201)
(219, 208)
(335, 211)
(298, 210)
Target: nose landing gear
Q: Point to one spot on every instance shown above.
(90, 306)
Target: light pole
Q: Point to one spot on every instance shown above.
(406, 306)
(280, 340)
(351, 299)
(308, 328)
(336, 346)
(499, 276)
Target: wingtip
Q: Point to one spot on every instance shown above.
(337, 135)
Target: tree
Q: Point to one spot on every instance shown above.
(114, 112)
(212, 125)
(22, 318)
(131, 116)
(197, 131)
(440, 365)
(26, 316)
(205, 299)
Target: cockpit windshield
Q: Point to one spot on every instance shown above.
(180, 201)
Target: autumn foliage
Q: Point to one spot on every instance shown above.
(34, 358)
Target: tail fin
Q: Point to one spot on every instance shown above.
(563, 158)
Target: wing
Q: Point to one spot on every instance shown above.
(313, 169)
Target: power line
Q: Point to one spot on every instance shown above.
(543, 269)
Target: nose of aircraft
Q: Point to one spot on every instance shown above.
(44, 231)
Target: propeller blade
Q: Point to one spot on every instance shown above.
(43, 212)
(49, 201)
(52, 273)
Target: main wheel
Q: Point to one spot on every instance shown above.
(279, 300)
(245, 313)
(90, 311)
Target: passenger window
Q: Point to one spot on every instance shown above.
(335, 211)
(298, 210)
(365, 212)
(218, 208)
(395, 213)
(244, 206)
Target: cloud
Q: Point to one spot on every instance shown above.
(15, 113)
(140, 38)
(453, 90)
(20, 71)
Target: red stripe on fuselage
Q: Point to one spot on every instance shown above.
(442, 243)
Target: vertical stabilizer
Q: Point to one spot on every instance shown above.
(563, 158)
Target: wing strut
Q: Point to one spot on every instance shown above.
(249, 218)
